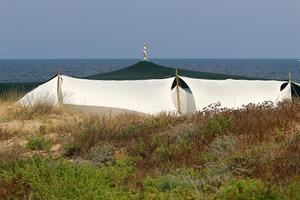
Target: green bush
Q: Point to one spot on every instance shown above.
(38, 142)
(168, 182)
(49, 179)
(157, 122)
(131, 128)
(248, 189)
(140, 147)
(162, 153)
(170, 187)
(219, 124)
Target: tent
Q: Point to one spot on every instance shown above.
(153, 96)
(148, 88)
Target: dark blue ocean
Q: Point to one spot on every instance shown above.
(43, 69)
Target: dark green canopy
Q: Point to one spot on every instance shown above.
(149, 70)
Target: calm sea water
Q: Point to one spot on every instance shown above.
(43, 69)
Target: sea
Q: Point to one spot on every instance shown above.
(32, 70)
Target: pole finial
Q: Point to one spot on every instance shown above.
(145, 52)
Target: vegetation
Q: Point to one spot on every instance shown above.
(53, 153)
(38, 142)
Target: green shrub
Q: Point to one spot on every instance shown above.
(140, 147)
(49, 179)
(162, 153)
(170, 187)
(248, 189)
(130, 129)
(168, 182)
(157, 122)
(38, 142)
(219, 124)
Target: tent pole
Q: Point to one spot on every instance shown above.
(59, 93)
(177, 92)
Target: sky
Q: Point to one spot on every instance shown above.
(171, 28)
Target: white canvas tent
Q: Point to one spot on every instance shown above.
(233, 94)
(155, 95)
(144, 96)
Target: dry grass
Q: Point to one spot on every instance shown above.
(166, 142)
(30, 109)
(11, 153)
(254, 142)
(5, 134)
(11, 95)
(36, 110)
(18, 122)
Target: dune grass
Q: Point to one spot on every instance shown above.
(11, 95)
(32, 109)
(233, 154)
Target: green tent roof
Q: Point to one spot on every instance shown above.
(149, 70)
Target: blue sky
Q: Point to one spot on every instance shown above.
(172, 28)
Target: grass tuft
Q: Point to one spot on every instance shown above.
(38, 142)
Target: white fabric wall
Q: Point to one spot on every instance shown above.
(45, 93)
(155, 96)
(146, 96)
(235, 93)
(187, 102)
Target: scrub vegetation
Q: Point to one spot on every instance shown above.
(54, 153)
